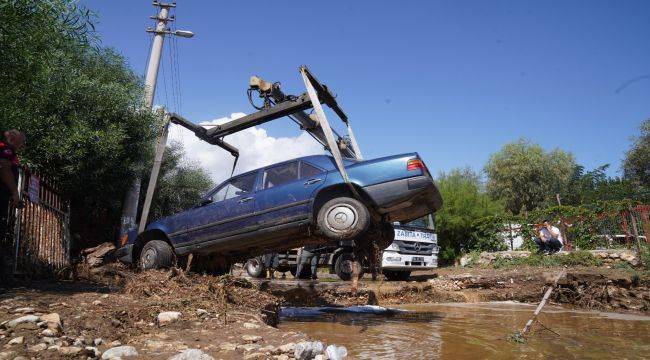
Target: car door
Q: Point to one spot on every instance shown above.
(228, 212)
(286, 191)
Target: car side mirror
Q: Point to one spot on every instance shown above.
(206, 201)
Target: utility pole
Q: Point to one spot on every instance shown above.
(130, 205)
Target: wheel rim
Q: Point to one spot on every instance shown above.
(341, 218)
(253, 266)
(148, 258)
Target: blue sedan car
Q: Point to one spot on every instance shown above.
(288, 205)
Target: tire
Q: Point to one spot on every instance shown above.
(156, 254)
(343, 266)
(343, 218)
(397, 275)
(255, 268)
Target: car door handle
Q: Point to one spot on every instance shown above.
(312, 181)
(246, 199)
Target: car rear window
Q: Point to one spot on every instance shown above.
(280, 174)
(308, 171)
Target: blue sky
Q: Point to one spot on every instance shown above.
(453, 80)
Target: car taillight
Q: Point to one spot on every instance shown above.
(415, 164)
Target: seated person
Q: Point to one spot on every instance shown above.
(550, 238)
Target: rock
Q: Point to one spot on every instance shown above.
(227, 346)
(53, 320)
(7, 355)
(336, 352)
(50, 332)
(98, 341)
(202, 312)
(97, 303)
(251, 326)
(21, 358)
(281, 357)
(22, 320)
(37, 347)
(191, 354)
(17, 340)
(93, 350)
(119, 352)
(70, 350)
(115, 343)
(270, 349)
(50, 340)
(319, 357)
(307, 350)
(168, 317)
(24, 310)
(251, 338)
(255, 356)
(286, 348)
(248, 347)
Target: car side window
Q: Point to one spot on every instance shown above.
(220, 194)
(308, 171)
(241, 185)
(281, 174)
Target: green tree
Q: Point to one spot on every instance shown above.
(78, 105)
(525, 177)
(636, 166)
(465, 201)
(181, 184)
(594, 186)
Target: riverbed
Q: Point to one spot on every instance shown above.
(473, 330)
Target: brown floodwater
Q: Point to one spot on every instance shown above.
(475, 331)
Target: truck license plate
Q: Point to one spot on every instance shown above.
(418, 258)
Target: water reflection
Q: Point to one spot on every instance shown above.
(452, 331)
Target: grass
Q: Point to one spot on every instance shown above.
(577, 258)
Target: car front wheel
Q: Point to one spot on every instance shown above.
(156, 254)
(343, 266)
(343, 218)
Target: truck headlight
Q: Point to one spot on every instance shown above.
(393, 247)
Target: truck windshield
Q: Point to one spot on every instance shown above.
(425, 222)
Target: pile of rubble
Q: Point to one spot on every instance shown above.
(608, 256)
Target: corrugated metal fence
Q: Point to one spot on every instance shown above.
(39, 233)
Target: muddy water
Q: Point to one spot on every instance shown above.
(476, 331)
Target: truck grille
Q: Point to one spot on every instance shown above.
(415, 247)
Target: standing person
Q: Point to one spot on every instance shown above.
(308, 255)
(13, 141)
(550, 238)
(271, 262)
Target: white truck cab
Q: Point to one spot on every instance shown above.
(415, 248)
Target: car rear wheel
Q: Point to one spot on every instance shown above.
(156, 254)
(397, 275)
(255, 267)
(343, 266)
(343, 218)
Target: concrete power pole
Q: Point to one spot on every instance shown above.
(130, 205)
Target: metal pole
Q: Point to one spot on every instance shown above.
(353, 140)
(153, 178)
(132, 197)
(635, 231)
(18, 219)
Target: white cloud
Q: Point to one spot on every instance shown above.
(256, 148)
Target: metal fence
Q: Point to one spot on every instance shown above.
(39, 233)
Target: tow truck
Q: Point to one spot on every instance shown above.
(343, 149)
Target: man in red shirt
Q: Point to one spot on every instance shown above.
(13, 140)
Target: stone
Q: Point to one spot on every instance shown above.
(98, 341)
(21, 358)
(191, 354)
(248, 347)
(307, 350)
(53, 320)
(93, 350)
(70, 350)
(7, 355)
(202, 312)
(50, 332)
(227, 346)
(281, 357)
(97, 303)
(168, 317)
(319, 357)
(37, 347)
(22, 320)
(255, 356)
(334, 352)
(24, 310)
(17, 340)
(251, 326)
(50, 340)
(286, 348)
(54, 347)
(268, 349)
(251, 338)
(119, 352)
(115, 343)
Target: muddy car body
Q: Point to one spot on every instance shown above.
(287, 205)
